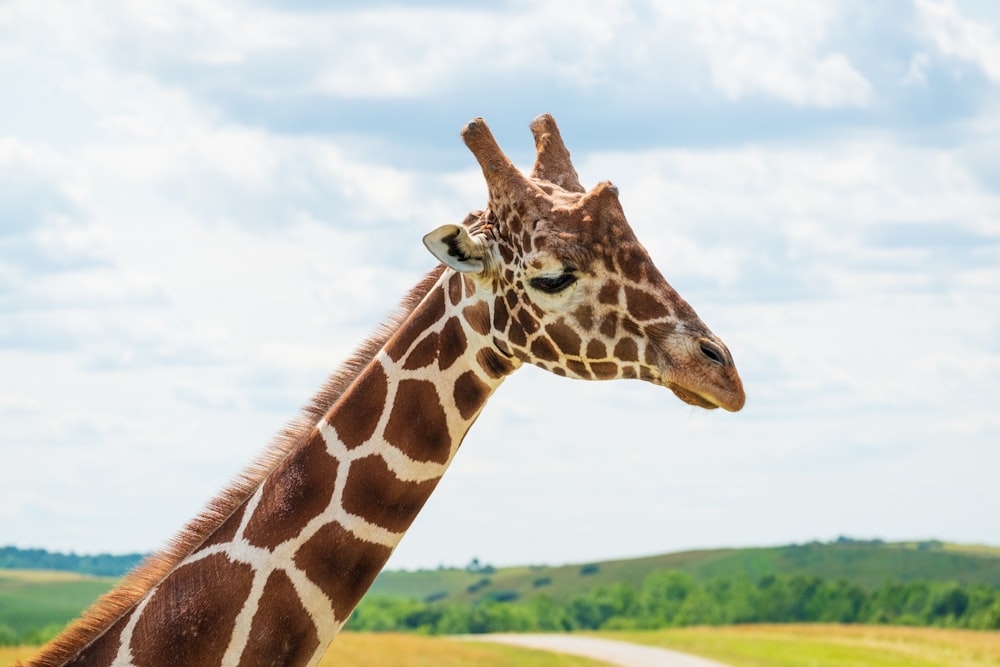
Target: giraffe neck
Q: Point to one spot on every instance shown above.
(276, 581)
(271, 570)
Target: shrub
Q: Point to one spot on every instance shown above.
(503, 596)
(479, 585)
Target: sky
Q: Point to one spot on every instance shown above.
(205, 205)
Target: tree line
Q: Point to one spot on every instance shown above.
(102, 565)
(673, 598)
(35, 637)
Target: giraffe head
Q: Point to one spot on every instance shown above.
(569, 286)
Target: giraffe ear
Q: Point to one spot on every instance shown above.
(455, 248)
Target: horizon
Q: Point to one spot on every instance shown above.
(204, 207)
(842, 540)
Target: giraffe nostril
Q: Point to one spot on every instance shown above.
(714, 353)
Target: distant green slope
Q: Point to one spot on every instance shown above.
(31, 600)
(102, 565)
(864, 563)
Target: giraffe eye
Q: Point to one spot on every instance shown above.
(553, 284)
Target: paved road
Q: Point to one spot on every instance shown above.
(610, 651)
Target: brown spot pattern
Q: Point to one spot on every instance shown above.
(609, 263)
(282, 634)
(609, 293)
(578, 368)
(422, 319)
(227, 531)
(191, 616)
(104, 649)
(493, 364)
(375, 494)
(527, 322)
(470, 394)
(604, 370)
(565, 338)
(643, 305)
(632, 328)
(298, 490)
(341, 564)
(455, 289)
(507, 253)
(516, 334)
(470, 286)
(542, 349)
(357, 413)
(423, 354)
(596, 349)
(609, 325)
(585, 316)
(452, 343)
(650, 355)
(632, 262)
(478, 317)
(417, 424)
(660, 330)
(627, 350)
(500, 318)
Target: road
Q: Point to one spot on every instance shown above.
(613, 652)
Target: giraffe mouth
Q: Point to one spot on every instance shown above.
(690, 397)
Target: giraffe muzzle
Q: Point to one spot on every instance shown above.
(708, 378)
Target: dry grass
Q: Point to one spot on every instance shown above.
(740, 646)
(829, 645)
(396, 650)
(363, 649)
(14, 577)
(11, 654)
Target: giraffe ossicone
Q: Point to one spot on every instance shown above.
(548, 274)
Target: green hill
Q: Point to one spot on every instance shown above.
(865, 563)
(101, 565)
(34, 604)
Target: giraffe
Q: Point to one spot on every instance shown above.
(548, 274)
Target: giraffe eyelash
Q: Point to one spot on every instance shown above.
(553, 284)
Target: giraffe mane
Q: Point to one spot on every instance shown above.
(99, 617)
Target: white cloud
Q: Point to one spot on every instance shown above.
(956, 36)
(774, 49)
(194, 272)
(777, 49)
(836, 219)
(916, 70)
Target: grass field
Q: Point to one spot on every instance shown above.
(362, 649)
(739, 646)
(11, 654)
(31, 599)
(390, 650)
(828, 645)
(866, 564)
